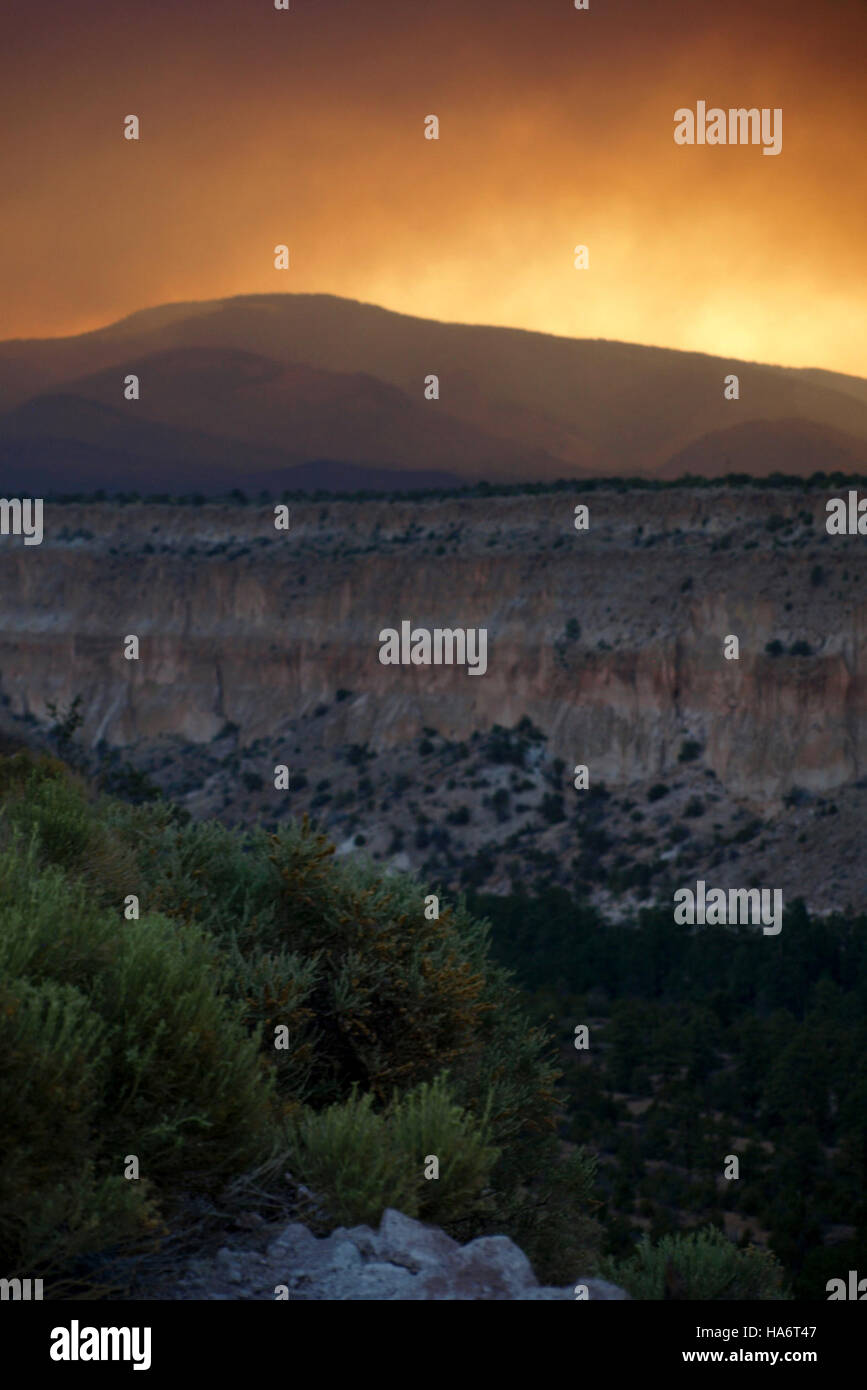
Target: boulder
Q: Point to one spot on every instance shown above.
(403, 1260)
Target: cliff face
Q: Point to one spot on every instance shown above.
(610, 639)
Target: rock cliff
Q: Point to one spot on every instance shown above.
(609, 640)
(239, 622)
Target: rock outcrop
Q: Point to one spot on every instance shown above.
(403, 1260)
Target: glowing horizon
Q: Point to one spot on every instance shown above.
(556, 129)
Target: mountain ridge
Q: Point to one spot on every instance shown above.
(352, 381)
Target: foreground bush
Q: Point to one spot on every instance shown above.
(359, 1161)
(701, 1265)
(266, 998)
(116, 1040)
(374, 996)
(54, 1204)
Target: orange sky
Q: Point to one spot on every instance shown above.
(306, 127)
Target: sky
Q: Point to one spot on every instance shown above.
(261, 127)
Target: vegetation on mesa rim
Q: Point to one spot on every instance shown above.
(237, 496)
(155, 1037)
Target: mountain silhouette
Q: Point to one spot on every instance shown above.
(236, 391)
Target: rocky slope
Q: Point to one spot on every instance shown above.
(260, 647)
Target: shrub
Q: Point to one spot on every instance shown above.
(360, 1162)
(555, 1225)
(700, 1265)
(506, 746)
(427, 1121)
(170, 1023)
(53, 1203)
(689, 751)
(65, 725)
(551, 808)
(116, 1039)
(746, 833)
(53, 807)
(129, 783)
(658, 791)
(186, 1089)
(344, 1154)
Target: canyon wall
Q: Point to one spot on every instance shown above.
(241, 622)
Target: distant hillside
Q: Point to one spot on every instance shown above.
(233, 390)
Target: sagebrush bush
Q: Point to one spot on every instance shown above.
(53, 1203)
(701, 1265)
(187, 1089)
(52, 805)
(360, 1161)
(115, 1038)
(375, 996)
(426, 1122)
(173, 1020)
(343, 1153)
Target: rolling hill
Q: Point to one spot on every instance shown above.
(254, 388)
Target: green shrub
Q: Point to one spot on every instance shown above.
(170, 1022)
(187, 1089)
(427, 1121)
(700, 1265)
(554, 1223)
(55, 808)
(54, 1205)
(116, 1038)
(344, 1153)
(49, 927)
(360, 1162)
(44, 799)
